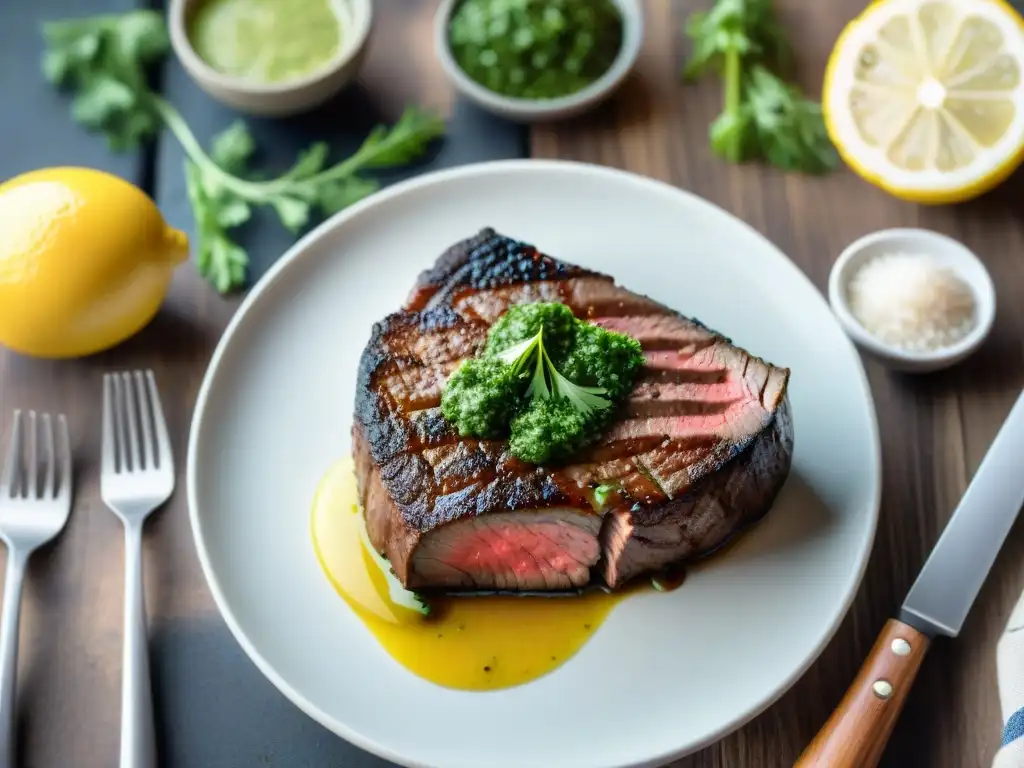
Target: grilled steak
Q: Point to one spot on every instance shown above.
(698, 451)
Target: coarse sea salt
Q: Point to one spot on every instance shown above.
(910, 301)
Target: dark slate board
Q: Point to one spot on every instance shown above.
(472, 136)
(35, 128)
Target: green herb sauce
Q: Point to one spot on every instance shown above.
(546, 380)
(267, 41)
(535, 49)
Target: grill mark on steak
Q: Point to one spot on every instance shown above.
(653, 375)
(625, 472)
(601, 298)
(702, 444)
(417, 387)
(707, 517)
(488, 306)
(660, 490)
(661, 398)
(430, 429)
(660, 332)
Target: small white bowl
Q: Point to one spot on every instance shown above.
(537, 110)
(947, 252)
(287, 97)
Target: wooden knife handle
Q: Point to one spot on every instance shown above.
(857, 732)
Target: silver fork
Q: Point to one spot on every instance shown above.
(137, 476)
(35, 500)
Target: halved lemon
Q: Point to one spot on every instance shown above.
(925, 98)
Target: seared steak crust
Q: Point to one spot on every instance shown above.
(699, 450)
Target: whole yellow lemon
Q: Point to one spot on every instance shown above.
(85, 261)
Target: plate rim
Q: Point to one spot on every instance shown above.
(519, 165)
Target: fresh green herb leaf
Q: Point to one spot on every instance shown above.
(424, 606)
(762, 117)
(397, 593)
(233, 148)
(293, 212)
(732, 135)
(104, 61)
(335, 196)
(790, 129)
(602, 492)
(233, 212)
(310, 161)
(547, 382)
(516, 387)
(407, 140)
(525, 321)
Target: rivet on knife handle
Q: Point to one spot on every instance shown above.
(857, 732)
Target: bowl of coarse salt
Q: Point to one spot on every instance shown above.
(914, 299)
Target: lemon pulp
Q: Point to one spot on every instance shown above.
(469, 643)
(925, 97)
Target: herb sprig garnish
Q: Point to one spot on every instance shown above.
(546, 380)
(105, 61)
(763, 117)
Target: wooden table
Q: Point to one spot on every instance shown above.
(214, 709)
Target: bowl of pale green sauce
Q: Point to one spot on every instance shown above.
(535, 60)
(271, 57)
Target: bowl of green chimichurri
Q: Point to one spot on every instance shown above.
(271, 57)
(533, 60)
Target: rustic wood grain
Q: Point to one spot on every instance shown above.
(934, 429)
(934, 432)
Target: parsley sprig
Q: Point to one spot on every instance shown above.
(763, 117)
(105, 60)
(546, 380)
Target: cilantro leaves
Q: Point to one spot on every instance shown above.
(763, 117)
(104, 61)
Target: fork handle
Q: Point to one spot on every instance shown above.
(138, 739)
(9, 624)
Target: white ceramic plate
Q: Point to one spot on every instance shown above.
(666, 674)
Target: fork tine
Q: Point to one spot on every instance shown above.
(31, 476)
(123, 459)
(148, 450)
(109, 465)
(131, 420)
(164, 460)
(49, 489)
(63, 455)
(124, 450)
(9, 482)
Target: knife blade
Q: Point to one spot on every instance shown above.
(937, 604)
(945, 589)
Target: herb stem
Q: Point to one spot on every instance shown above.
(261, 191)
(733, 99)
(177, 125)
(364, 158)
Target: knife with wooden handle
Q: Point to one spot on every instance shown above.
(857, 732)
